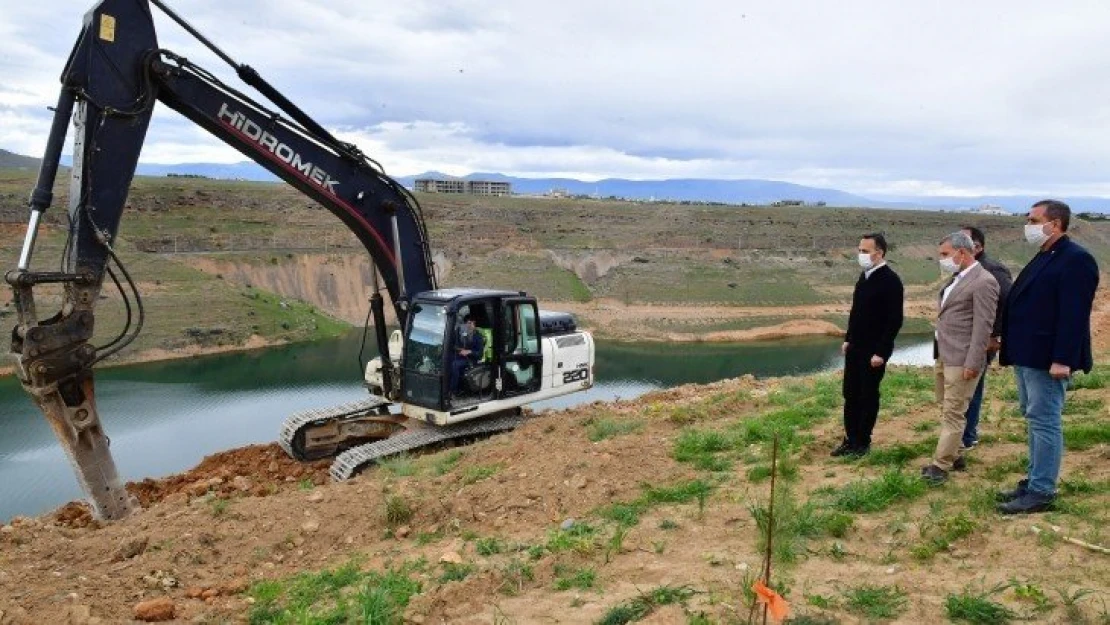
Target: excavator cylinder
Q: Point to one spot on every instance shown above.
(43, 194)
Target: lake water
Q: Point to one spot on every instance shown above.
(165, 417)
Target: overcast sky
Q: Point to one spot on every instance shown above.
(874, 97)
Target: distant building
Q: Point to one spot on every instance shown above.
(990, 209)
(488, 187)
(472, 187)
(437, 185)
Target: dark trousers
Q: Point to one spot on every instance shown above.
(458, 367)
(861, 398)
(971, 430)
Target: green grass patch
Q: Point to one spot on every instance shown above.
(901, 454)
(427, 538)
(939, 536)
(455, 572)
(795, 524)
(1016, 464)
(443, 464)
(787, 423)
(583, 578)
(801, 407)
(603, 428)
(1084, 406)
(876, 602)
(580, 538)
(899, 381)
(400, 465)
(1099, 377)
(977, 608)
(472, 475)
(1083, 436)
(787, 470)
(488, 546)
(640, 607)
(1079, 485)
(704, 449)
(674, 279)
(397, 511)
(837, 524)
(342, 595)
(514, 575)
(1032, 595)
(628, 514)
(219, 506)
(875, 495)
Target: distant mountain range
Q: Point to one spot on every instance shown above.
(760, 192)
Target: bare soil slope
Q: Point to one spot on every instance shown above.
(666, 494)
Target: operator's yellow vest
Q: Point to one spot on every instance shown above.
(487, 349)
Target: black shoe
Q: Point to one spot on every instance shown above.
(1028, 503)
(934, 474)
(859, 452)
(960, 464)
(1007, 496)
(842, 450)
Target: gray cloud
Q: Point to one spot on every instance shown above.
(864, 95)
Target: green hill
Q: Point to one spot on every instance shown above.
(11, 160)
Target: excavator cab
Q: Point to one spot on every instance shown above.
(510, 364)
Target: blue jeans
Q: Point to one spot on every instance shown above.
(1041, 399)
(971, 429)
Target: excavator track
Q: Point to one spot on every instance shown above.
(291, 437)
(350, 462)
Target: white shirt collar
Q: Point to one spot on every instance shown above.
(969, 268)
(867, 274)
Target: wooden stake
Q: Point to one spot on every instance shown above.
(1074, 541)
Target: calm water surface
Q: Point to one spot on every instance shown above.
(164, 417)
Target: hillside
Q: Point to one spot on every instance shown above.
(11, 160)
(630, 271)
(649, 510)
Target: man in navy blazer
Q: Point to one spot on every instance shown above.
(1047, 337)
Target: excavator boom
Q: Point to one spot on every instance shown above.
(114, 76)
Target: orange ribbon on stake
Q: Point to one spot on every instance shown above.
(776, 605)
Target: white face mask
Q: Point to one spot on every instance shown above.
(948, 265)
(1034, 234)
(865, 261)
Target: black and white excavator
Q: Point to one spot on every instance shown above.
(115, 75)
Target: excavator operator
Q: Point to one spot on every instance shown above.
(468, 351)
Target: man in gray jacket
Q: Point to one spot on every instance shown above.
(965, 320)
(1005, 281)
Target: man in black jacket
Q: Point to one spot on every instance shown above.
(1002, 276)
(873, 323)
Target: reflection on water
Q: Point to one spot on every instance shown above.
(164, 417)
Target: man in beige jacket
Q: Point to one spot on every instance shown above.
(967, 308)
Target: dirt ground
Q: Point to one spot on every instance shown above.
(251, 514)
